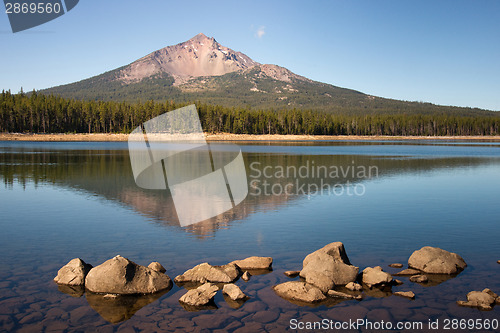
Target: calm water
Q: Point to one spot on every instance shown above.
(64, 200)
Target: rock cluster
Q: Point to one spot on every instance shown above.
(484, 300)
(117, 288)
(322, 270)
(122, 276)
(200, 296)
(328, 267)
(327, 275)
(328, 272)
(207, 273)
(118, 276)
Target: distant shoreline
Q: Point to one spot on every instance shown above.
(103, 137)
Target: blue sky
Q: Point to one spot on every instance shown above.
(444, 52)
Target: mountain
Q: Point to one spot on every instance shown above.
(202, 70)
(199, 56)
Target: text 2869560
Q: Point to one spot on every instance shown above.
(32, 8)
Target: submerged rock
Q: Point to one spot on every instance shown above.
(420, 278)
(207, 273)
(376, 277)
(434, 260)
(484, 300)
(328, 266)
(396, 265)
(380, 292)
(200, 296)
(156, 266)
(251, 263)
(339, 294)
(73, 273)
(299, 291)
(233, 292)
(406, 272)
(120, 275)
(407, 294)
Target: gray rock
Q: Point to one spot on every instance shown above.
(246, 276)
(339, 294)
(376, 277)
(407, 294)
(254, 263)
(299, 291)
(120, 275)
(484, 300)
(434, 260)
(156, 266)
(328, 266)
(73, 273)
(420, 278)
(233, 292)
(200, 296)
(353, 286)
(208, 273)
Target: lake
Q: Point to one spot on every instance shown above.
(383, 200)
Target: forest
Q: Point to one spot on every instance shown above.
(39, 113)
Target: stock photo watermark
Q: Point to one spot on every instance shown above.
(206, 180)
(310, 179)
(170, 152)
(27, 14)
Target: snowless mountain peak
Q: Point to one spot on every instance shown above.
(198, 56)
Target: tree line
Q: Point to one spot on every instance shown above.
(38, 113)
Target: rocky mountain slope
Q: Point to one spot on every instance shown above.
(202, 70)
(199, 56)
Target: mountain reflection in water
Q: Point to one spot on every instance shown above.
(274, 179)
